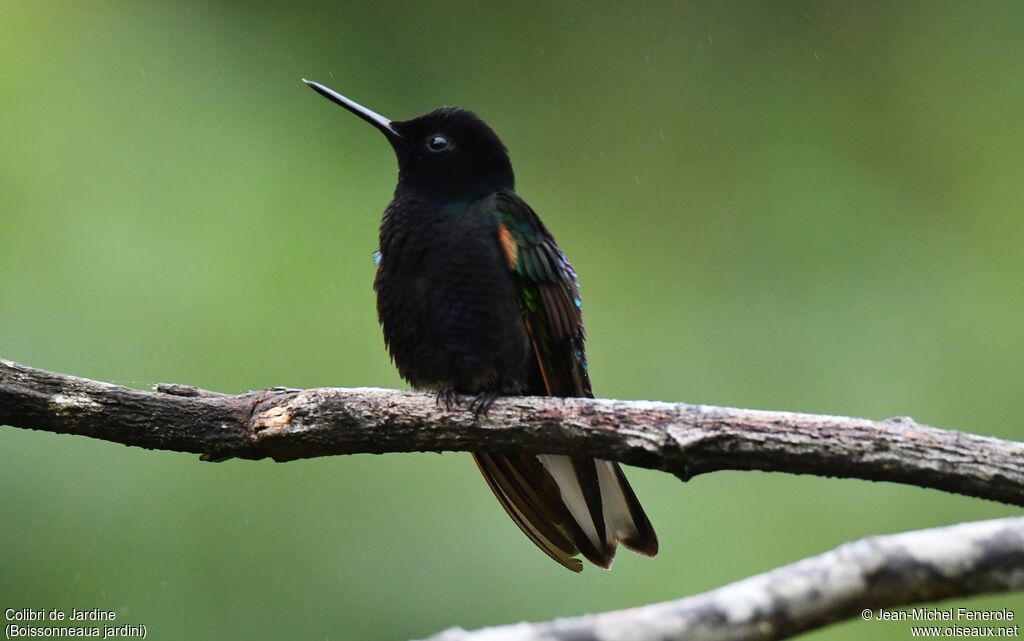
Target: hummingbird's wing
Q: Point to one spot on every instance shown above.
(549, 298)
(587, 502)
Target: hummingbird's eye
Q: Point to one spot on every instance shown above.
(438, 143)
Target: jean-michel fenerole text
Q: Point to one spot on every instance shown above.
(944, 614)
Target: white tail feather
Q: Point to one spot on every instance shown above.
(561, 469)
(618, 521)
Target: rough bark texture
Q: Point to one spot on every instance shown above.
(675, 437)
(683, 439)
(878, 572)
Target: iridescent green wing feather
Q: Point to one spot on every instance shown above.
(549, 297)
(552, 314)
(565, 504)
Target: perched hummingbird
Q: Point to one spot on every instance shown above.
(475, 297)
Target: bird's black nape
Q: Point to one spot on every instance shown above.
(451, 154)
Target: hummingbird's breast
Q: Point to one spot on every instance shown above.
(446, 298)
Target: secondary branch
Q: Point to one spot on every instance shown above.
(872, 574)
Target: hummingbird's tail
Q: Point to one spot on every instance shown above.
(568, 505)
(603, 506)
(623, 514)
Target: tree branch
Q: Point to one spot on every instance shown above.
(683, 439)
(873, 573)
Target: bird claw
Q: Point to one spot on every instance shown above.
(446, 396)
(482, 402)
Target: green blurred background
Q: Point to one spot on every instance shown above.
(802, 206)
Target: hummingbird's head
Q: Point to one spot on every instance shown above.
(447, 155)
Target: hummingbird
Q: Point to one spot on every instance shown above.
(475, 297)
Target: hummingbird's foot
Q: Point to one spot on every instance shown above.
(482, 402)
(446, 396)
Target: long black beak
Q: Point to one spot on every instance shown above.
(372, 117)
